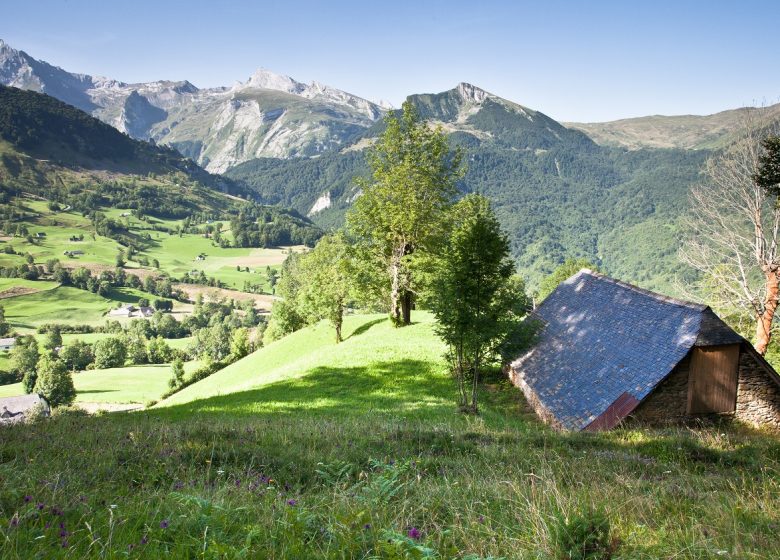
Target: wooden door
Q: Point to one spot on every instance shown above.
(712, 381)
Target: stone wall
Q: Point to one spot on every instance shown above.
(758, 396)
(669, 402)
(533, 401)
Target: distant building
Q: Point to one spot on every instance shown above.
(40, 235)
(123, 311)
(608, 351)
(17, 409)
(73, 253)
(146, 311)
(7, 344)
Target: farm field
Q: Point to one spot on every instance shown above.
(134, 384)
(355, 451)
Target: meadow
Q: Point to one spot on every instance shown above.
(308, 449)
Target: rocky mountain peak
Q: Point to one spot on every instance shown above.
(472, 93)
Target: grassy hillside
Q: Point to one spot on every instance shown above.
(356, 452)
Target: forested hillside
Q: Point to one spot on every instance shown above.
(557, 193)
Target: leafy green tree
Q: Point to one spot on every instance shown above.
(768, 174)
(402, 209)
(77, 355)
(24, 359)
(286, 316)
(326, 282)
(474, 295)
(5, 328)
(213, 342)
(158, 351)
(54, 382)
(177, 374)
(564, 271)
(239, 344)
(110, 353)
(53, 339)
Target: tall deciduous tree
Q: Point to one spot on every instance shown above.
(54, 382)
(326, 281)
(474, 295)
(734, 231)
(401, 208)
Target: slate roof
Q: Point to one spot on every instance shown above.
(14, 409)
(603, 341)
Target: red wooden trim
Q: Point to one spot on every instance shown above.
(612, 416)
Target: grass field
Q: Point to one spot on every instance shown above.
(355, 451)
(61, 305)
(135, 384)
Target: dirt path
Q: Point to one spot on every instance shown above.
(17, 291)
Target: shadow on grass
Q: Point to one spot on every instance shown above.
(94, 391)
(392, 387)
(362, 329)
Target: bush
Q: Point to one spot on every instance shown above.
(110, 353)
(77, 355)
(585, 536)
(54, 382)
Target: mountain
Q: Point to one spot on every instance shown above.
(269, 115)
(557, 192)
(53, 151)
(689, 132)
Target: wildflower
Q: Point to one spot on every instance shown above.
(40, 506)
(144, 539)
(291, 502)
(27, 499)
(14, 521)
(481, 518)
(179, 485)
(367, 526)
(414, 533)
(164, 524)
(65, 543)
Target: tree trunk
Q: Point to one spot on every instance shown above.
(764, 323)
(406, 307)
(474, 409)
(395, 287)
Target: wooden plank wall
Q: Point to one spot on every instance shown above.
(712, 384)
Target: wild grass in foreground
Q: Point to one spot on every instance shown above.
(371, 461)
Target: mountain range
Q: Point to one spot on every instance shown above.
(610, 192)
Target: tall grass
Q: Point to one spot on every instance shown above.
(370, 460)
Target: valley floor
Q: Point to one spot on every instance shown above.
(307, 449)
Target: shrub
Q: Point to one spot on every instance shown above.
(110, 353)
(54, 382)
(585, 536)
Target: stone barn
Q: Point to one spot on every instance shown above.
(607, 351)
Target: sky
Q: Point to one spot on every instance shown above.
(584, 61)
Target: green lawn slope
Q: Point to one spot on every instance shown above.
(308, 449)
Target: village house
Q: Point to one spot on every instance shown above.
(608, 352)
(7, 344)
(126, 310)
(18, 409)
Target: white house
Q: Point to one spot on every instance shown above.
(124, 311)
(7, 344)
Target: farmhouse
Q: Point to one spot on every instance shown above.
(16, 409)
(123, 311)
(7, 344)
(608, 352)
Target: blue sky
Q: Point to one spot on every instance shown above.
(574, 60)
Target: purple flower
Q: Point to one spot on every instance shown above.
(65, 543)
(414, 533)
(14, 521)
(40, 506)
(144, 539)
(27, 499)
(481, 519)
(367, 526)
(164, 524)
(291, 502)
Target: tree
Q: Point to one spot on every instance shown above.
(239, 344)
(5, 328)
(24, 359)
(326, 282)
(77, 355)
(158, 351)
(53, 339)
(110, 353)
(733, 232)
(177, 374)
(474, 295)
(285, 314)
(401, 209)
(54, 382)
(768, 174)
(569, 268)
